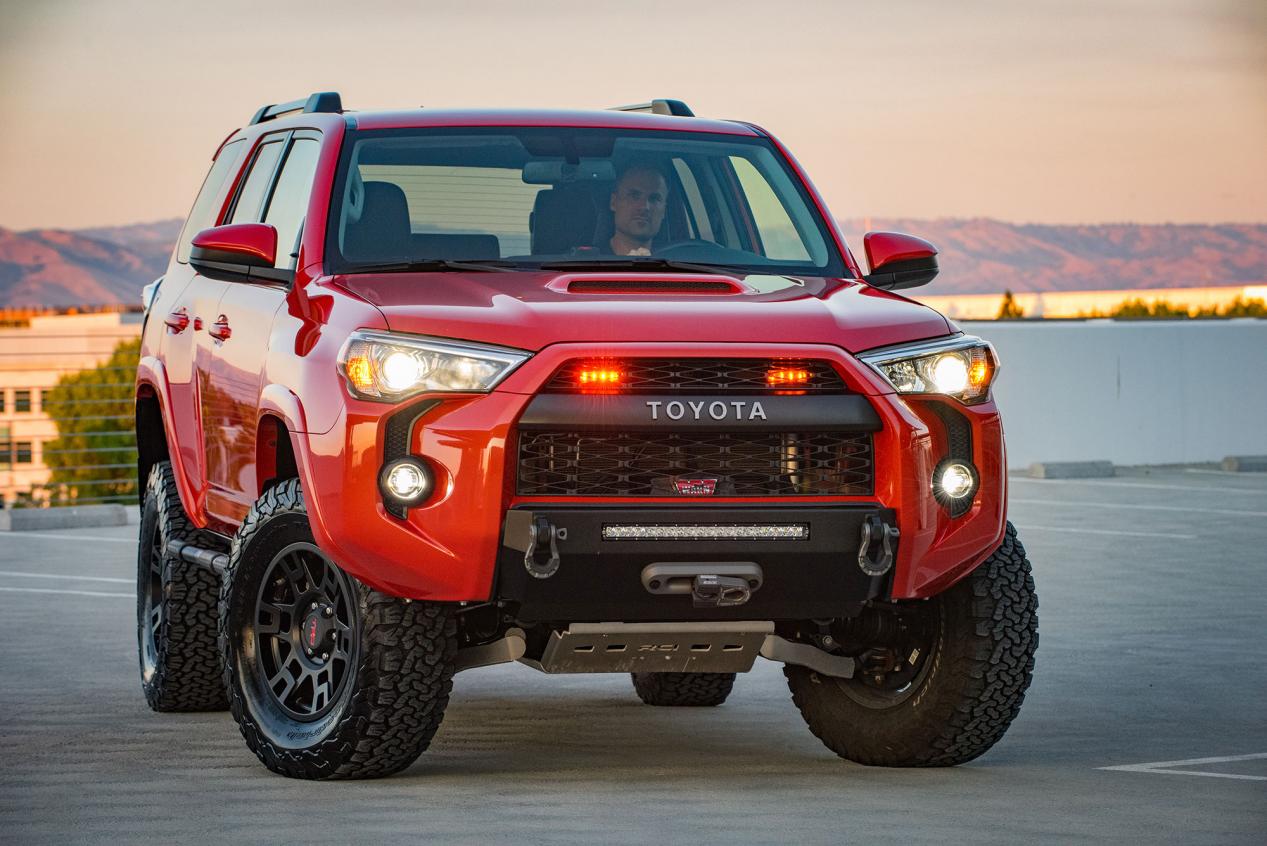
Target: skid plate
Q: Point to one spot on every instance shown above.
(729, 647)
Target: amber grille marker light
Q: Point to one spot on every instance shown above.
(787, 377)
(599, 376)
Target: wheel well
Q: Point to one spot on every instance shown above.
(274, 454)
(151, 438)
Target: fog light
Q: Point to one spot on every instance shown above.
(956, 481)
(954, 484)
(405, 481)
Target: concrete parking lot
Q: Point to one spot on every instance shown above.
(1147, 720)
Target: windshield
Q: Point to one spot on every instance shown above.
(559, 197)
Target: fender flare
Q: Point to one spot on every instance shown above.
(284, 404)
(150, 373)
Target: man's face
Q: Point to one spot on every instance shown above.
(637, 204)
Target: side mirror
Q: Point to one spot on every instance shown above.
(242, 252)
(898, 260)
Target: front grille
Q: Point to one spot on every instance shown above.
(701, 375)
(645, 464)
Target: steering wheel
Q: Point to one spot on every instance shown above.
(684, 245)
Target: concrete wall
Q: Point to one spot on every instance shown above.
(1144, 392)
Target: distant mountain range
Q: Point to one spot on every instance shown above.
(84, 267)
(106, 266)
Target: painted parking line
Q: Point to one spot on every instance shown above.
(1152, 486)
(1078, 530)
(1122, 505)
(1168, 767)
(67, 578)
(43, 536)
(71, 592)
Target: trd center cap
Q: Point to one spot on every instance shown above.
(315, 634)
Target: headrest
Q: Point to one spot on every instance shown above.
(563, 218)
(383, 229)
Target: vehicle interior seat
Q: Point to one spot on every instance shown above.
(383, 231)
(563, 218)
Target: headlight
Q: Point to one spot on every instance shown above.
(962, 367)
(386, 366)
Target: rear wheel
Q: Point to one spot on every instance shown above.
(946, 679)
(689, 689)
(327, 678)
(176, 612)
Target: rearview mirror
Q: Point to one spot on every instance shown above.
(238, 252)
(898, 260)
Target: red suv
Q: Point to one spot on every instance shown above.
(605, 391)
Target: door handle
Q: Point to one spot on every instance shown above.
(177, 321)
(220, 329)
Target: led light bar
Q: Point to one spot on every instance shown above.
(706, 531)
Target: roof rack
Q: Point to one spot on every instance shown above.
(658, 107)
(321, 101)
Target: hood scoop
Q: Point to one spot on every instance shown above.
(706, 285)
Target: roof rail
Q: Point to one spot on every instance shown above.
(321, 101)
(658, 107)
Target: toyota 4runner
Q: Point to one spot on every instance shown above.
(424, 391)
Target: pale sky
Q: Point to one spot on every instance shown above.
(1052, 111)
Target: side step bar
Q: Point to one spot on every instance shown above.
(216, 562)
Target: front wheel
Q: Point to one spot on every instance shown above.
(947, 681)
(327, 678)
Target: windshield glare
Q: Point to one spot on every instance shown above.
(533, 196)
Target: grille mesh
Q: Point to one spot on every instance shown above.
(701, 375)
(745, 463)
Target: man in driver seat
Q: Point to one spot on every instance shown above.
(637, 205)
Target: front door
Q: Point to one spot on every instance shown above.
(244, 323)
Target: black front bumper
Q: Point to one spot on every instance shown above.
(600, 580)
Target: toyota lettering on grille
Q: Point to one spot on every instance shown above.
(704, 410)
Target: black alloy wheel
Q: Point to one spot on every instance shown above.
(151, 616)
(938, 680)
(305, 619)
(891, 672)
(326, 677)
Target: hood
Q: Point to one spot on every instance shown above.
(533, 310)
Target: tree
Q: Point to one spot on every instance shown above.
(94, 455)
(1010, 310)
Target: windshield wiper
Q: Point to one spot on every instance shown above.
(438, 266)
(632, 263)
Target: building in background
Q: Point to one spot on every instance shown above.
(32, 358)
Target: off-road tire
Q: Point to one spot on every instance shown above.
(683, 689)
(395, 692)
(982, 661)
(180, 667)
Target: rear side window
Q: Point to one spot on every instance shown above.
(251, 198)
(289, 203)
(207, 204)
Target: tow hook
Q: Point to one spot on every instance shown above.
(541, 559)
(875, 553)
(719, 591)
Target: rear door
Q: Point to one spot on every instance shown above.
(244, 321)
